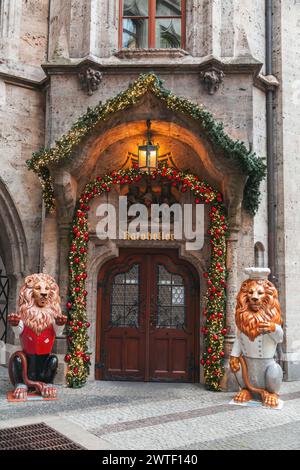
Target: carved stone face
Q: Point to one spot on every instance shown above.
(255, 296)
(41, 291)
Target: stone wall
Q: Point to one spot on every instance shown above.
(231, 31)
(287, 46)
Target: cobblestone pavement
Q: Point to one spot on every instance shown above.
(124, 415)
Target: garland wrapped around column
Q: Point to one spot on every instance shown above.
(78, 357)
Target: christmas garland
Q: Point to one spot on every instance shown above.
(78, 357)
(249, 164)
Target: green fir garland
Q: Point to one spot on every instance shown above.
(248, 162)
(78, 357)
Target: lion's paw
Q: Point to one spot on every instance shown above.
(270, 399)
(243, 396)
(49, 391)
(20, 392)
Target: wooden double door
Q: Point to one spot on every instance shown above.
(147, 327)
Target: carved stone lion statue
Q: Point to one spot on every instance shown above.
(38, 321)
(259, 324)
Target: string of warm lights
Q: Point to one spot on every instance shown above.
(78, 357)
(250, 165)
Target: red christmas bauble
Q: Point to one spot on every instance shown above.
(69, 305)
(222, 354)
(88, 324)
(209, 350)
(67, 357)
(75, 370)
(79, 323)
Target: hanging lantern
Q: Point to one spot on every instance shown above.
(148, 154)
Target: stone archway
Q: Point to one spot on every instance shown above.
(100, 140)
(13, 247)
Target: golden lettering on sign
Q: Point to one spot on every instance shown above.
(157, 236)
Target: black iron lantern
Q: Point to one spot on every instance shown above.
(148, 154)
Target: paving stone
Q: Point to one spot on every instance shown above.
(131, 415)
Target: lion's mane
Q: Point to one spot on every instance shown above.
(33, 316)
(246, 319)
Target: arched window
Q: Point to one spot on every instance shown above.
(259, 255)
(152, 24)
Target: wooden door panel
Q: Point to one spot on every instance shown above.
(179, 351)
(160, 356)
(172, 320)
(147, 318)
(114, 348)
(170, 358)
(124, 357)
(132, 354)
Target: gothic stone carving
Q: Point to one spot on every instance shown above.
(90, 80)
(212, 79)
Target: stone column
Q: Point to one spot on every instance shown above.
(10, 21)
(227, 28)
(80, 28)
(104, 27)
(199, 27)
(63, 279)
(228, 382)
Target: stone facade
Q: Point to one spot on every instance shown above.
(44, 46)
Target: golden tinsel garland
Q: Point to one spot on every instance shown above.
(248, 163)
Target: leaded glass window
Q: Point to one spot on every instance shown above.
(171, 299)
(125, 299)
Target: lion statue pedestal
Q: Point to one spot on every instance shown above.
(259, 324)
(38, 321)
